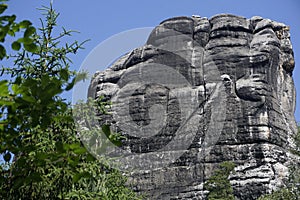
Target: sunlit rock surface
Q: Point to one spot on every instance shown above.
(203, 91)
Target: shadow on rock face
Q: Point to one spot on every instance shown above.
(200, 92)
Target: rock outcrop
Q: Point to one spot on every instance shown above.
(199, 92)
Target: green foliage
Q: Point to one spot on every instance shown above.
(96, 138)
(9, 26)
(218, 184)
(44, 159)
(283, 194)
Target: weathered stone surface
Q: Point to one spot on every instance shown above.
(222, 89)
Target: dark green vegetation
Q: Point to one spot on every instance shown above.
(218, 184)
(43, 157)
(10, 27)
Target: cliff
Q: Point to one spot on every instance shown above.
(199, 92)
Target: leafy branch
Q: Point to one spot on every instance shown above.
(44, 158)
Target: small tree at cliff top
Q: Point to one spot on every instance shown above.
(36, 124)
(218, 184)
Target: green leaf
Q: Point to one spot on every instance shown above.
(45, 79)
(78, 176)
(30, 83)
(7, 157)
(51, 90)
(24, 24)
(3, 32)
(79, 151)
(29, 99)
(2, 52)
(113, 138)
(74, 146)
(11, 32)
(64, 73)
(116, 140)
(60, 147)
(106, 130)
(70, 85)
(11, 19)
(16, 88)
(15, 27)
(3, 7)
(29, 32)
(4, 88)
(90, 158)
(25, 40)
(77, 148)
(73, 162)
(16, 46)
(42, 156)
(31, 47)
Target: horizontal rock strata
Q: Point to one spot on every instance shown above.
(203, 91)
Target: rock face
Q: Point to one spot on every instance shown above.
(199, 92)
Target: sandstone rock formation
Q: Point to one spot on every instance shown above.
(199, 92)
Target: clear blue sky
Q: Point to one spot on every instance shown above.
(98, 20)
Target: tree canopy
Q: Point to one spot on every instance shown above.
(218, 184)
(43, 156)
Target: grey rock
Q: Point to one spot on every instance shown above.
(203, 91)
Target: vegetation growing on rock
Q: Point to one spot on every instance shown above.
(218, 185)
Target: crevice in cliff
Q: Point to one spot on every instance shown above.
(254, 134)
